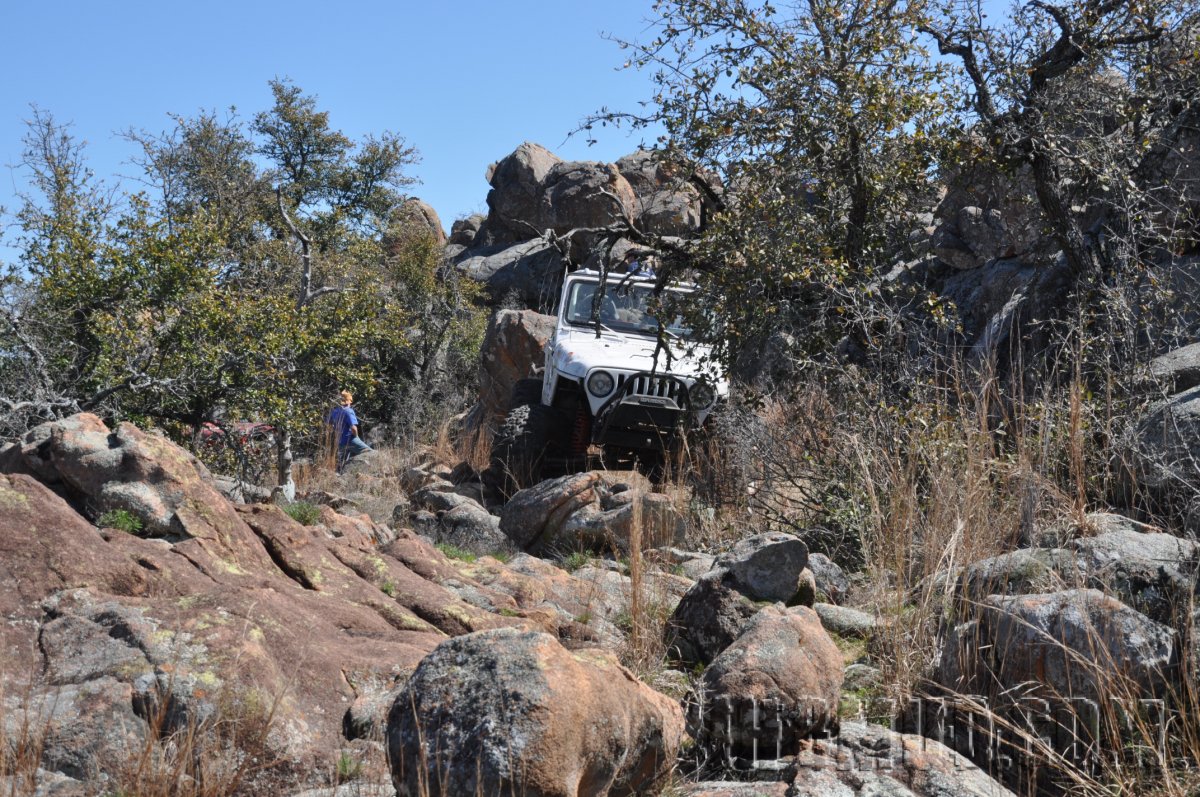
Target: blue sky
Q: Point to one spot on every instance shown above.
(464, 83)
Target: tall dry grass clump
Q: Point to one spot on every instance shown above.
(23, 732)
(224, 753)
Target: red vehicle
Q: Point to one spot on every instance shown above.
(212, 436)
(243, 449)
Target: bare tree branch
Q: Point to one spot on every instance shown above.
(306, 294)
(965, 50)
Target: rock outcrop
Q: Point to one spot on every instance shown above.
(113, 634)
(541, 208)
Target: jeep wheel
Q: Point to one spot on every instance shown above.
(520, 447)
(525, 391)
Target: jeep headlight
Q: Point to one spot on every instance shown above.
(702, 395)
(600, 384)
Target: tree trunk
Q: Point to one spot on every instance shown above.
(283, 464)
(1079, 255)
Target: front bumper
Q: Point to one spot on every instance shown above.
(647, 411)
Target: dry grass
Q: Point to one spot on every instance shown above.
(645, 650)
(455, 443)
(22, 739)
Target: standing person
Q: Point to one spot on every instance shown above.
(344, 423)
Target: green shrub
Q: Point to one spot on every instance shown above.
(303, 512)
(576, 560)
(455, 552)
(388, 588)
(348, 768)
(120, 519)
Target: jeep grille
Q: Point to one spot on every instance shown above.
(655, 386)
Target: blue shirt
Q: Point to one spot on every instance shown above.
(343, 419)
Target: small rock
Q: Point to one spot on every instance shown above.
(806, 590)
(831, 579)
(689, 564)
(845, 622)
(859, 676)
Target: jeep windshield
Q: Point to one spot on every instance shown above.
(623, 308)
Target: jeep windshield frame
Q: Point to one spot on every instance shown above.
(625, 307)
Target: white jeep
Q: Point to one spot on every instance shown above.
(613, 378)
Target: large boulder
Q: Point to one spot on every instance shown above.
(535, 514)
(589, 511)
(831, 581)
(463, 231)
(528, 272)
(1164, 447)
(1051, 665)
(1153, 573)
(779, 682)
(1021, 572)
(709, 617)
(534, 191)
(516, 193)
(1075, 644)
(766, 567)
(617, 521)
(665, 202)
(994, 214)
(509, 712)
(413, 218)
(1177, 370)
(584, 194)
(515, 344)
(466, 526)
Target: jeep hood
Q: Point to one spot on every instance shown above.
(578, 350)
